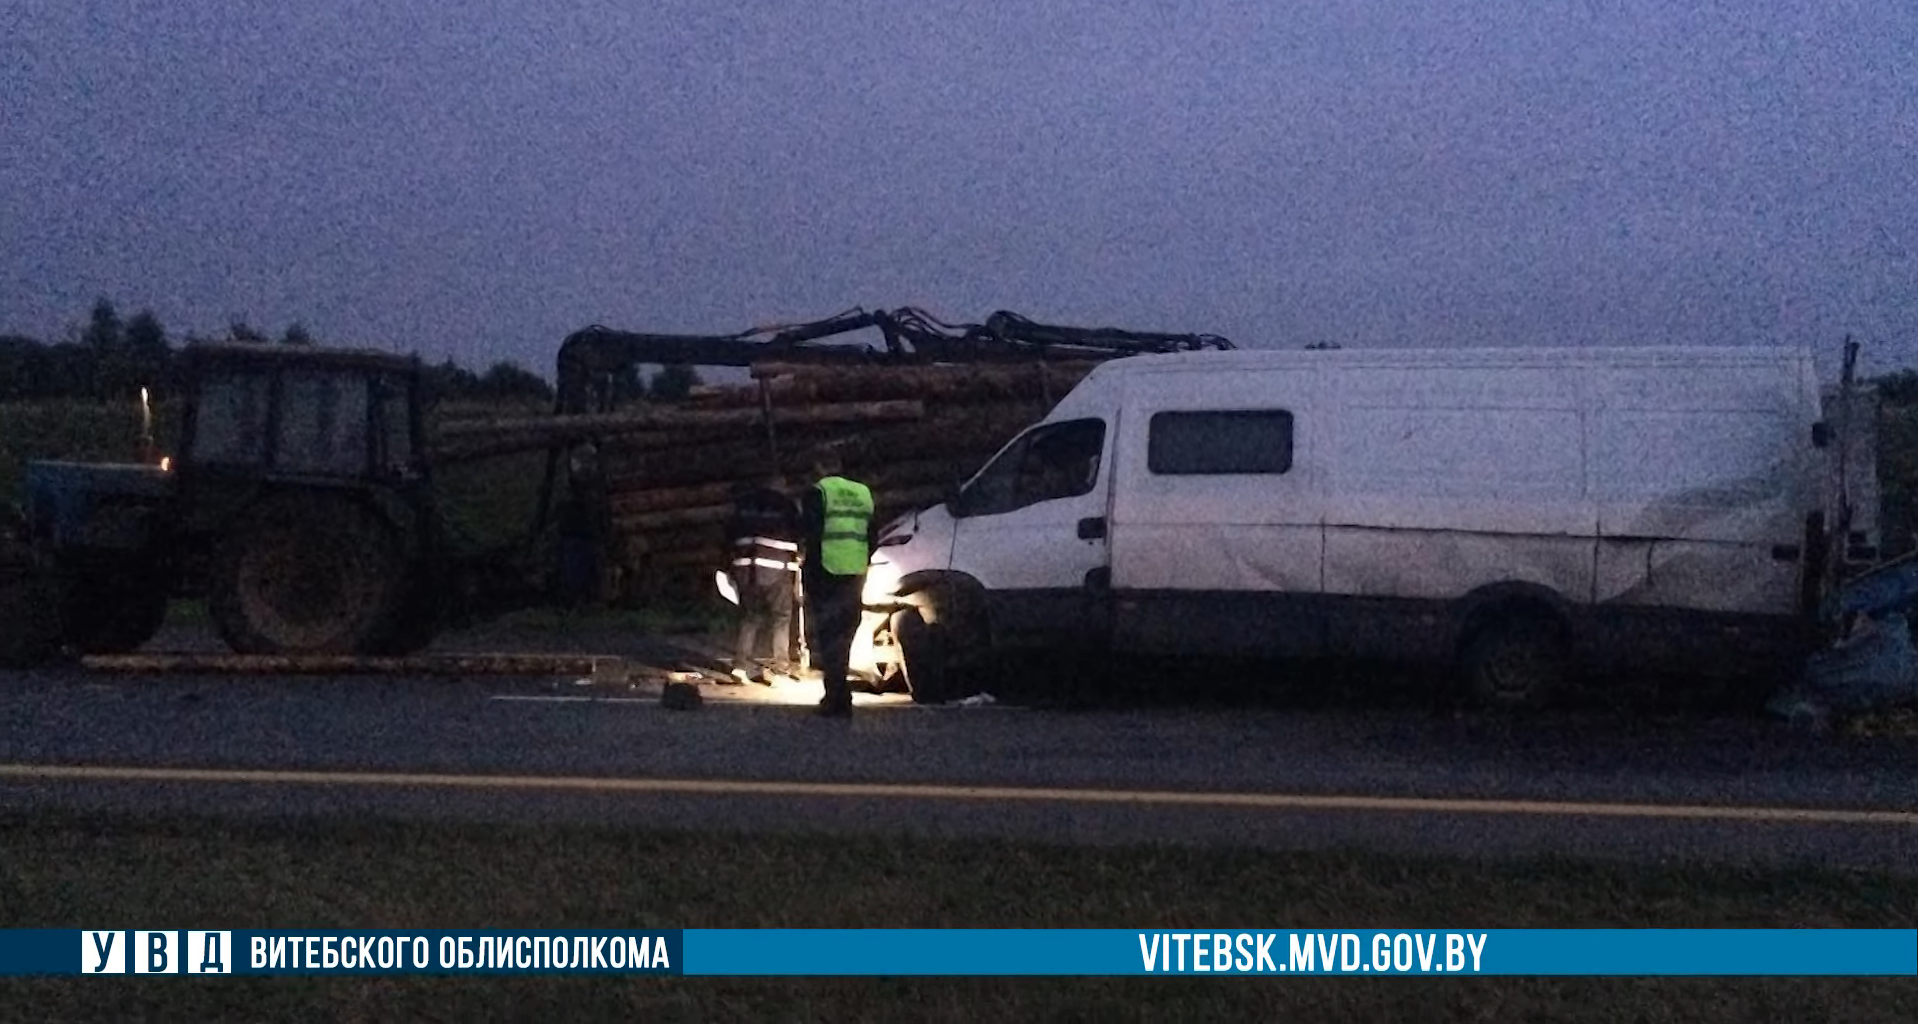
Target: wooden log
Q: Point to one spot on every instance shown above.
(667, 418)
(636, 549)
(892, 502)
(677, 529)
(647, 542)
(540, 432)
(700, 515)
(659, 499)
(638, 500)
(920, 472)
(714, 557)
(970, 430)
(481, 447)
(932, 384)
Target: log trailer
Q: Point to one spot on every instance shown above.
(301, 503)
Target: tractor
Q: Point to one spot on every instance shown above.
(298, 506)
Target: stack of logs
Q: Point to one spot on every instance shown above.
(671, 471)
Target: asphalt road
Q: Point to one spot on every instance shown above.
(1404, 778)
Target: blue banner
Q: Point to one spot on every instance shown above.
(969, 952)
(1224, 951)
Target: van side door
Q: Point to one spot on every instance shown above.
(1030, 528)
(1217, 523)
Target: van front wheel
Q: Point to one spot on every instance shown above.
(1517, 662)
(926, 652)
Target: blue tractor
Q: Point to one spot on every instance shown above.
(298, 505)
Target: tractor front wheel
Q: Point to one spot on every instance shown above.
(29, 617)
(114, 614)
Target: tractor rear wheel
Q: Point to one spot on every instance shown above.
(309, 574)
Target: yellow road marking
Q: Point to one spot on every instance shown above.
(925, 791)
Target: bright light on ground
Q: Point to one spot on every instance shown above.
(794, 692)
(787, 691)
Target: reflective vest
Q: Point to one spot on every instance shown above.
(765, 553)
(842, 542)
(763, 538)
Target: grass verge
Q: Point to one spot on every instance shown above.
(115, 871)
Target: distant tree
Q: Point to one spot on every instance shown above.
(240, 331)
(70, 372)
(506, 380)
(147, 360)
(104, 330)
(145, 331)
(673, 383)
(104, 339)
(628, 384)
(450, 381)
(25, 366)
(296, 335)
(1900, 388)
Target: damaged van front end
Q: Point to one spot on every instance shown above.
(908, 548)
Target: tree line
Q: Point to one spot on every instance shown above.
(112, 358)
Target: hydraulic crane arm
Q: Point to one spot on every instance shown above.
(1010, 327)
(592, 359)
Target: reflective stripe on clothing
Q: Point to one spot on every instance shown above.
(848, 518)
(767, 542)
(767, 563)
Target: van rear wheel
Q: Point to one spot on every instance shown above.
(1521, 661)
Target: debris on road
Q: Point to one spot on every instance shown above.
(595, 666)
(1872, 670)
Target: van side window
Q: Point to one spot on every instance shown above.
(1060, 460)
(1229, 442)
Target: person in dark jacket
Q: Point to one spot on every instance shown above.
(836, 524)
(764, 537)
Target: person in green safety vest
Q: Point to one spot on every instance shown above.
(836, 523)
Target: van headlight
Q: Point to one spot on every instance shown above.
(882, 581)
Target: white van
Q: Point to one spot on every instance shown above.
(1521, 513)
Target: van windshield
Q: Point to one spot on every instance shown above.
(1058, 460)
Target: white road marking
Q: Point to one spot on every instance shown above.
(923, 791)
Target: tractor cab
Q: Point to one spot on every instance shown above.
(315, 416)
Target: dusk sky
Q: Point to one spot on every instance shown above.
(478, 179)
